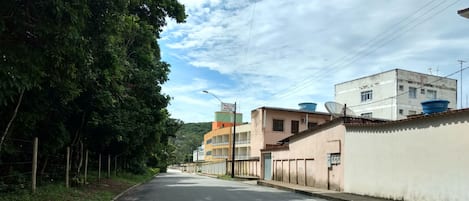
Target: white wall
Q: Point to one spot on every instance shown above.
(423, 159)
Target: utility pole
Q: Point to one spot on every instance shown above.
(460, 80)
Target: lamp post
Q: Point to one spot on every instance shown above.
(464, 12)
(234, 132)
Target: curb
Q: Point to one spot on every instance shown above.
(130, 188)
(260, 183)
(127, 190)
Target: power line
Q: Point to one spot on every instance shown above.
(386, 38)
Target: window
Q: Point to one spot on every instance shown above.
(422, 91)
(368, 114)
(312, 125)
(431, 94)
(367, 95)
(295, 126)
(412, 92)
(412, 112)
(209, 141)
(401, 87)
(208, 153)
(401, 111)
(278, 125)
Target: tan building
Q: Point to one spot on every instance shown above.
(312, 157)
(420, 158)
(269, 125)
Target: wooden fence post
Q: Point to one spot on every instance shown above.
(34, 170)
(67, 181)
(86, 165)
(109, 166)
(99, 168)
(115, 165)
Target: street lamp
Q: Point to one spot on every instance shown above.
(234, 132)
(464, 12)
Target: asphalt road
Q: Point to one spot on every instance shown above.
(177, 186)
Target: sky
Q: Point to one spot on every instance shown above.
(279, 53)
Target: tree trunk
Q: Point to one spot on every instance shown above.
(12, 119)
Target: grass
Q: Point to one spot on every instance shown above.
(104, 190)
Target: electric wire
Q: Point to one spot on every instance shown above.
(387, 38)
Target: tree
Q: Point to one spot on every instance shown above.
(85, 74)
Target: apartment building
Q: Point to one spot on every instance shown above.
(218, 143)
(394, 94)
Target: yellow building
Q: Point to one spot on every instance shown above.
(218, 143)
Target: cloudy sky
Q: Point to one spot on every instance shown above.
(279, 53)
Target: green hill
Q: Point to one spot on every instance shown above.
(188, 138)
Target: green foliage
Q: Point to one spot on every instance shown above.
(91, 73)
(188, 138)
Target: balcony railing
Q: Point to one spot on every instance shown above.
(219, 143)
(243, 141)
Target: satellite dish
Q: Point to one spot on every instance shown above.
(337, 110)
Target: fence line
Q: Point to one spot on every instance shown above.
(246, 168)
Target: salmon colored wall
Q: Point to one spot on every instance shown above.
(315, 148)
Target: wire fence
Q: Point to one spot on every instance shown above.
(22, 166)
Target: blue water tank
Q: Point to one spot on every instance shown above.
(310, 107)
(434, 106)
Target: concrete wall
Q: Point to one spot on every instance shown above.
(422, 159)
(305, 162)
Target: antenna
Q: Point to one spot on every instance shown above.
(338, 110)
(461, 62)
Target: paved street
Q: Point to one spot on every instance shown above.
(177, 186)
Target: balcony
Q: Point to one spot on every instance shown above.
(243, 142)
(219, 143)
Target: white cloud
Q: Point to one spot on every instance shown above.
(285, 52)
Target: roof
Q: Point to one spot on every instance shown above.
(275, 147)
(292, 110)
(396, 69)
(414, 118)
(339, 120)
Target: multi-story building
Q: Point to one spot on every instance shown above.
(198, 154)
(269, 125)
(394, 94)
(218, 143)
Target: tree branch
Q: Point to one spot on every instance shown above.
(12, 119)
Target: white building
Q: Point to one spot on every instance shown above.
(198, 155)
(394, 94)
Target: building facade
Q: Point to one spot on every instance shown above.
(218, 143)
(270, 125)
(394, 94)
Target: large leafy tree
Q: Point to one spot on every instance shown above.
(85, 74)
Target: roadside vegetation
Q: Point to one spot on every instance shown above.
(104, 190)
(80, 89)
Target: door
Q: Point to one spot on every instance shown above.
(267, 166)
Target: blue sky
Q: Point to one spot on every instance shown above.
(281, 53)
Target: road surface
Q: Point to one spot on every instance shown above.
(177, 186)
